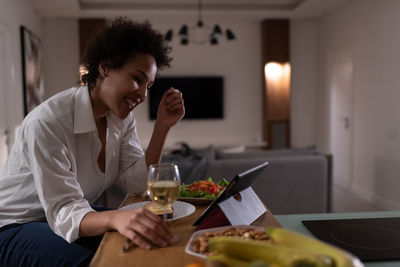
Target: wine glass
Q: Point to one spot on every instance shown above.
(163, 183)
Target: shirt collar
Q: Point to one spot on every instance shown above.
(113, 122)
(83, 117)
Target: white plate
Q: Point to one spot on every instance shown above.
(196, 200)
(188, 248)
(181, 209)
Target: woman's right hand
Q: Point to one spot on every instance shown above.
(140, 224)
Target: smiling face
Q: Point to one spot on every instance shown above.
(121, 90)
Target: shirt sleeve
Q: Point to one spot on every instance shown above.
(48, 153)
(132, 162)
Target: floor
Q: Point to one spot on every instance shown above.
(346, 202)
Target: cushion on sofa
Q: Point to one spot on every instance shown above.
(192, 163)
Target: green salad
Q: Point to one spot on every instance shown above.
(203, 189)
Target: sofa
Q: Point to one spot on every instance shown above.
(295, 181)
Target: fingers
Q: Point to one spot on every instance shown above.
(153, 236)
(173, 99)
(137, 239)
(172, 94)
(149, 227)
(171, 91)
(157, 222)
(176, 105)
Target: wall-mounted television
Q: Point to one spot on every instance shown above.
(203, 95)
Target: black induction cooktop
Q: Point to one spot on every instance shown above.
(376, 239)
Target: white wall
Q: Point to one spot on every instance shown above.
(60, 54)
(13, 14)
(239, 62)
(368, 30)
(304, 47)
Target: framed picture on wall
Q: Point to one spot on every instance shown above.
(32, 76)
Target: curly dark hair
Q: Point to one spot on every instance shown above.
(119, 42)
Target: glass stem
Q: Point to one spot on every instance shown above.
(165, 213)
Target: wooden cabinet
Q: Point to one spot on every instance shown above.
(276, 81)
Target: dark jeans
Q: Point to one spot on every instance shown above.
(35, 244)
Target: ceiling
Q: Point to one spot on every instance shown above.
(251, 9)
(190, 4)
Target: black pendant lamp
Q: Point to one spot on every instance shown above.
(200, 33)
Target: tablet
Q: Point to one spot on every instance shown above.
(239, 183)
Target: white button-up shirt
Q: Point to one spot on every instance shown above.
(52, 173)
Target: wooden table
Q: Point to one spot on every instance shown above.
(110, 253)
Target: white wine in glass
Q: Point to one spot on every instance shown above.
(164, 193)
(163, 185)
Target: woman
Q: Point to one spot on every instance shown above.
(75, 145)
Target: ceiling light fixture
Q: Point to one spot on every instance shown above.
(200, 33)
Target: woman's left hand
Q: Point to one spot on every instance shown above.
(171, 109)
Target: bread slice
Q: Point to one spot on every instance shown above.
(158, 209)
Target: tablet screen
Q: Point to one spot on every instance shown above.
(239, 182)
